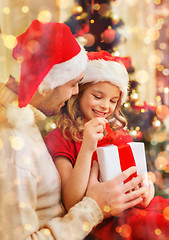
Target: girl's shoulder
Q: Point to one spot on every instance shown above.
(56, 133)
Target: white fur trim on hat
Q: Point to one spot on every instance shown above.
(18, 117)
(101, 70)
(64, 72)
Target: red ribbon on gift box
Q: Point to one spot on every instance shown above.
(120, 138)
(126, 159)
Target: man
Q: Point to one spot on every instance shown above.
(52, 64)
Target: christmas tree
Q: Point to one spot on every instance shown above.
(95, 25)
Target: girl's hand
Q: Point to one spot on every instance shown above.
(93, 132)
(147, 195)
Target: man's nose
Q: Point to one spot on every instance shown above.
(75, 90)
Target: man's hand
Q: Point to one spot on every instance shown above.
(112, 196)
(147, 195)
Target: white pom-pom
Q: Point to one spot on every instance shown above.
(18, 117)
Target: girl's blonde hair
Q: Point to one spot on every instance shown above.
(71, 119)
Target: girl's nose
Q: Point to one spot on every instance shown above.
(104, 105)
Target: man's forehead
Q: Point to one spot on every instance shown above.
(77, 80)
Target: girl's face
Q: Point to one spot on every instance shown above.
(99, 100)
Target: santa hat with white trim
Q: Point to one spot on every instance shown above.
(50, 56)
(102, 66)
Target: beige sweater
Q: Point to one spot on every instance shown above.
(30, 189)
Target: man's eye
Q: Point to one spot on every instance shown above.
(97, 97)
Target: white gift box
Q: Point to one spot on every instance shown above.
(109, 161)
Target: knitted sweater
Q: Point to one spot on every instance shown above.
(30, 187)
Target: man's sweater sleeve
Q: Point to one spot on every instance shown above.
(75, 225)
(19, 218)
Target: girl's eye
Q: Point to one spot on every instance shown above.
(113, 101)
(97, 97)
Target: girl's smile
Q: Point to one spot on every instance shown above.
(99, 113)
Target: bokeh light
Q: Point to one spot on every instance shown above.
(9, 41)
(76, 10)
(161, 163)
(104, 10)
(96, 6)
(22, 205)
(1, 144)
(90, 39)
(157, 231)
(125, 230)
(143, 212)
(33, 46)
(6, 10)
(166, 213)
(142, 76)
(86, 226)
(25, 9)
(28, 227)
(152, 176)
(162, 111)
(106, 208)
(155, 58)
(163, 46)
(26, 160)
(45, 16)
(131, 2)
(46, 231)
(17, 143)
(64, 4)
(160, 68)
(82, 40)
(153, 34)
(49, 126)
(166, 72)
(157, 2)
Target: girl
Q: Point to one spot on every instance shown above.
(81, 128)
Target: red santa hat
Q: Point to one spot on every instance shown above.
(102, 66)
(50, 56)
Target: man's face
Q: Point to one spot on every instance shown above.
(51, 103)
